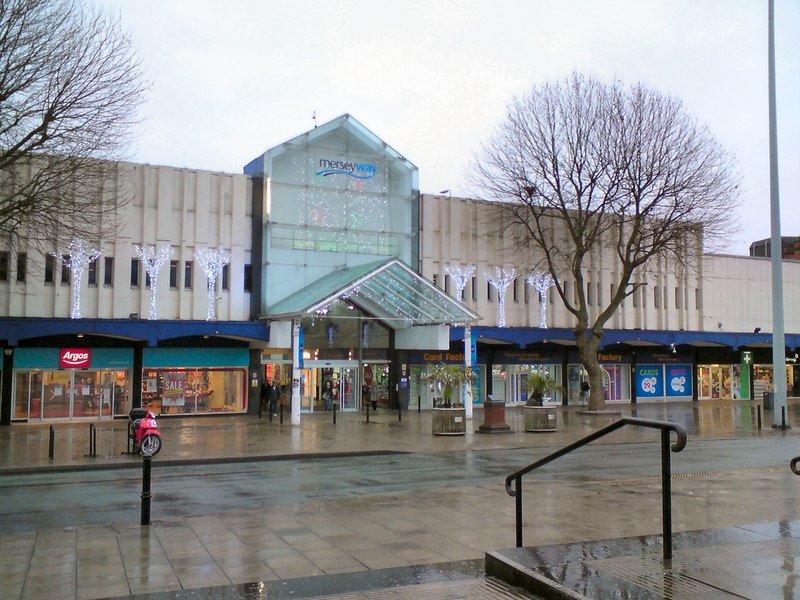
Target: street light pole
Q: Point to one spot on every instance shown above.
(776, 248)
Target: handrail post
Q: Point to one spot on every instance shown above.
(518, 509)
(666, 495)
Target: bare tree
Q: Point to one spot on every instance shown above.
(586, 169)
(70, 85)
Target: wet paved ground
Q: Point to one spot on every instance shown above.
(239, 551)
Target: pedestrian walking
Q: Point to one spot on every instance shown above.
(274, 394)
(584, 394)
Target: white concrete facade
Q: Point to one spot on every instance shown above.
(723, 293)
(185, 209)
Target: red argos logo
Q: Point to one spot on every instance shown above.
(75, 358)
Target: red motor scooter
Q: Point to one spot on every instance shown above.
(144, 432)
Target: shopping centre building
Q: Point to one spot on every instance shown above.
(322, 267)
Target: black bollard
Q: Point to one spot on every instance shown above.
(758, 413)
(367, 412)
(399, 409)
(92, 440)
(145, 491)
(419, 404)
(281, 413)
(334, 413)
(52, 449)
(783, 417)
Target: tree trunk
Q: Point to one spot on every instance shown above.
(588, 345)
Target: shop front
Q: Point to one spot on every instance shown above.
(71, 383)
(511, 369)
(664, 377)
(192, 381)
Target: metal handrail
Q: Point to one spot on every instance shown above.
(666, 476)
(793, 465)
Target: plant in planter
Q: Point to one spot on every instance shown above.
(450, 377)
(538, 386)
(538, 417)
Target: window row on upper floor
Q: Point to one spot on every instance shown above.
(101, 271)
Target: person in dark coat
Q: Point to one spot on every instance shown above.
(273, 395)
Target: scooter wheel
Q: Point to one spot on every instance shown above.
(151, 444)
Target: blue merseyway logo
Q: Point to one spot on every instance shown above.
(339, 167)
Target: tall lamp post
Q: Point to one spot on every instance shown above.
(776, 250)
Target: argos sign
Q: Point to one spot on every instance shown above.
(75, 358)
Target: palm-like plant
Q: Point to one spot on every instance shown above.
(450, 377)
(538, 385)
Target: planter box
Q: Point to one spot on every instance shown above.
(449, 421)
(540, 418)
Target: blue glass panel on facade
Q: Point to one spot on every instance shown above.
(195, 357)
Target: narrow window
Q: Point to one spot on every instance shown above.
(636, 297)
(447, 284)
(135, 272)
(656, 298)
(599, 294)
(435, 280)
(678, 298)
(474, 288)
(225, 276)
(187, 275)
(4, 265)
(248, 278)
(92, 273)
(589, 293)
(108, 271)
(49, 268)
(515, 289)
(147, 279)
(65, 269)
(173, 274)
(22, 267)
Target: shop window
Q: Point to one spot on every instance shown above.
(4, 265)
(92, 273)
(194, 391)
(135, 272)
(248, 278)
(173, 274)
(49, 268)
(187, 275)
(108, 271)
(22, 267)
(65, 269)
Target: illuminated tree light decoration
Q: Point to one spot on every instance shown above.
(153, 261)
(212, 261)
(500, 281)
(460, 276)
(542, 282)
(77, 258)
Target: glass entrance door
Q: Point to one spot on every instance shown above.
(322, 387)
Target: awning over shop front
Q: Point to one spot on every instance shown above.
(388, 290)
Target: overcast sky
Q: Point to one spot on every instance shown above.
(433, 78)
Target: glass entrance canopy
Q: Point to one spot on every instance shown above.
(388, 290)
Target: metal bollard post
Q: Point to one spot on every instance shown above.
(92, 440)
(129, 447)
(52, 448)
(145, 491)
(367, 412)
(758, 412)
(419, 405)
(399, 409)
(281, 413)
(334, 413)
(783, 417)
